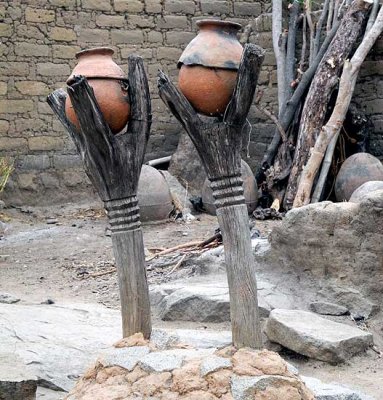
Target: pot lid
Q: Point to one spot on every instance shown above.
(97, 63)
(215, 46)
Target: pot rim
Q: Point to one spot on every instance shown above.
(218, 22)
(95, 50)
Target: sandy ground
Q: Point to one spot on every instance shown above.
(51, 254)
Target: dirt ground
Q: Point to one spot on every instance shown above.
(52, 254)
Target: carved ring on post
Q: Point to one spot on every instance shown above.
(113, 164)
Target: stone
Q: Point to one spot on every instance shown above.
(245, 9)
(45, 143)
(52, 69)
(14, 68)
(356, 303)
(333, 391)
(325, 308)
(8, 298)
(15, 106)
(188, 379)
(110, 20)
(3, 88)
(131, 6)
(32, 88)
(6, 30)
(7, 143)
(172, 22)
(93, 36)
(254, 362)
(182, 7)
(151, 384)
(161, 361)
(62, 34)
(128, 37)
(32, 50)
(215, 7)
(64, 341)
(127, 357)
(316, 337)
(100, 5)
(213, 364)
(17, 382)
(39, 15)
(269, 387)
(65, 51)
(363, 191)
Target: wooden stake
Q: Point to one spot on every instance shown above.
(218, 142)
(113, 164)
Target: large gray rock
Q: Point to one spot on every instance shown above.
(64, 341)
(332, 391)
(316, 337)
(325, 308)
(8, 298)
(126, 357)
(207, 302)
(365, 190)
(17, 381)
(332, 242)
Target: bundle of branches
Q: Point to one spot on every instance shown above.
(305, 86)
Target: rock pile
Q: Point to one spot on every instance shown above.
(140, 370)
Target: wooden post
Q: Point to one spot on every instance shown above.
(113, 164)
(218, 142)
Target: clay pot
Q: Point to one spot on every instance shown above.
(154, 198)
(109, 85)
(209, 65)
(249, 187)
(355, 171)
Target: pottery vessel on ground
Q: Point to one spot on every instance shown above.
(355, 171)
(109, 84)
(249, 187)
(209, 65)
(154, 198)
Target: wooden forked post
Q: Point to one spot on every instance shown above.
(113, 164)
(218, 142)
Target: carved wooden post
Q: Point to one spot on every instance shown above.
(113, 164)
(218, 142)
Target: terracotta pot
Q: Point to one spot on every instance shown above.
(209, 65)
(153, 195)
(109, 85)
(249, 187)
(355, 171)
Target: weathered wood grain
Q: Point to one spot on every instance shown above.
(218, 142)
(113, 164)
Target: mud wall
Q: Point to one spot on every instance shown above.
(39, 40)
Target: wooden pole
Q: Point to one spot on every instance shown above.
(218, 142)
(113, 164)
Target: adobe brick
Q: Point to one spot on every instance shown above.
(215, 7)
(101, 5)
(131, 6)
(51, 69)
(32, 50)
(173, 22)
(247, 9)
(129, 37)
(44, 143)
(39, 15)
(15, 106)
(176, 6)
(110, 20)
(62, 34)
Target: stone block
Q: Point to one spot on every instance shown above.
(265, 40)
(247, 9)
(93, 36)
(37, 162)
(131, 6)
(130, 37)
(169, 53)
(110, 20)
(14, 69)
(126, 358)
(67, 161)
(3, 88)
(27, 182)
(74, 178)
(7, 143)
(146, 54)
(17, 382)
(15, 106)
(45, 143)
(65, 52)
(4, 126)
(32, 88)
(49, 180)
(30, 32)
(178, 6)
(215, 7)
(62, 34)
(155, 37)
(32, 50)
(39, 15)
(6, 30)
(153, 6)
(374, 106)
(100, 5)
(51, 69)
(316, 337)
(63, 3)
(179, 38)
(140, 21)
(173, 22)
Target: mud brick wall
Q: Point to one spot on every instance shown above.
(38, 42)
